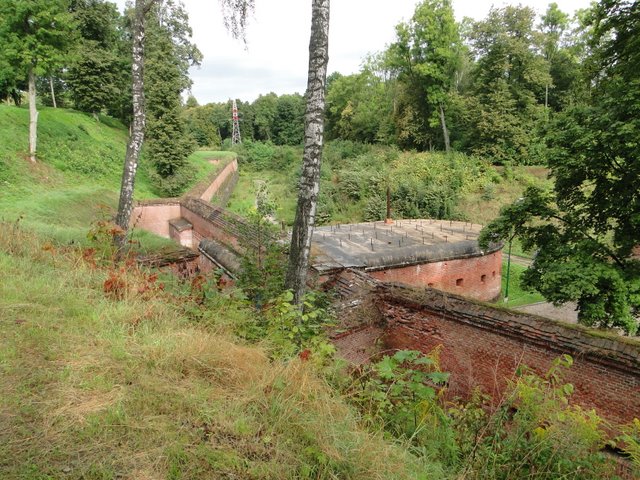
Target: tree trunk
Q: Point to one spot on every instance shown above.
(312, 156)
(136, 137)
(53, 93)
(445, 131)
(33, 115)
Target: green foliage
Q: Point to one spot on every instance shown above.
(167, 59)
(268, 156)
(199, 124)
(533, 431)
(426, 57)
(358, 107)
(35, 34)
(295, 329)
(630, 443)
(399, 391)
(585, 231)
(262, 270)
(573, 263)
(509, 84)
(265, 108)
(98, 69)
(430, 185)
(288, 123)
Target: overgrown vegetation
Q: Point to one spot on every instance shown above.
(77, 179)
(355, 176)
(111, 372)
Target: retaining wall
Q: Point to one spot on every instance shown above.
(154, 215)
(483, 346)
(475, 277)
(218, 186)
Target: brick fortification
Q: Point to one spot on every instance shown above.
(482, 346)
(477, 277)
(442, 254)
(160, 216)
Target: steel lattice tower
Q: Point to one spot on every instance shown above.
(235, 137)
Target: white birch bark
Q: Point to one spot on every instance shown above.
(136, 137)
(312, 156)
(33, 115)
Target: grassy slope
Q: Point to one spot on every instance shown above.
(99, 388)
(481, 199)
(280, 188)
(517, 295)
(148, 386)
(77, 180)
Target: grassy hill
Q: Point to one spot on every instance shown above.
(107, 373)
(111, 371)
(151, 386)
(77, 179)
(354, 178)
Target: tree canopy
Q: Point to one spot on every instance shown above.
(586, 231)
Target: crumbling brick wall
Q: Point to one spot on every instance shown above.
(483, 346)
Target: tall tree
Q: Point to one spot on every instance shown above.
(506, 101)
(312, 156)
(265, 107)
(586, 231)
(97, 66)
(426, 56)
(169, 55)
(288, 121)
(136, 138)
(359, 106)
(562, 48)
(34, 35)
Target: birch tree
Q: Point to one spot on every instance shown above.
(312, 156)
(235, 14)
(34, 35)
(125, 204)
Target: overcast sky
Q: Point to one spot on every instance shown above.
(276, 56)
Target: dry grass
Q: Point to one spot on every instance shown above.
(99, 388)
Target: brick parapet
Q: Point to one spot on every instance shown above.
(475, 276)
(608, 349)
(218, 183)
(483, 347)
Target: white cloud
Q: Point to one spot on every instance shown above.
(278, 38)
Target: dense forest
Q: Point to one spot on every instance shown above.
(492, 87)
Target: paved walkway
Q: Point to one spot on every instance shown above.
(565, 313)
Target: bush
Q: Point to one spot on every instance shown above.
(533, 433)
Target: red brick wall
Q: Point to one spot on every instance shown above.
(219, 181)
(155, 217)
(476, 277)
(203, 228)
(482, 347)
